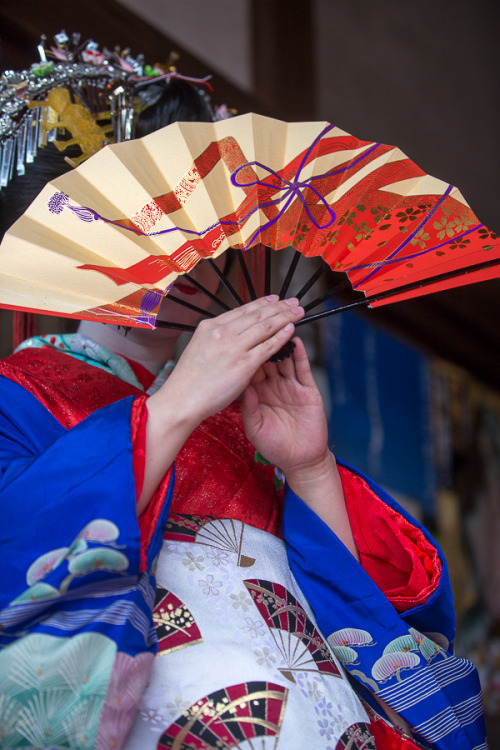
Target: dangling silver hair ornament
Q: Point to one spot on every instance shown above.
(92, 94)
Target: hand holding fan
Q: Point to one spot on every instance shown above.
(107, 241)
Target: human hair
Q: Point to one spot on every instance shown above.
(23, 189)
(179, 101)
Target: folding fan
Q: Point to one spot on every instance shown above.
(107, 241)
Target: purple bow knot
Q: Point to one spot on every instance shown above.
(290, 189)
(295, 188)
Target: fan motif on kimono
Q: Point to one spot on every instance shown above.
(174, 623)
(221, 533)
(359, 737)
(107, 241)
(297, 639)
(228, 717)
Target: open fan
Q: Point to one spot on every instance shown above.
(106, 241)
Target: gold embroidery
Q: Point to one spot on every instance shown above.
(175, 625)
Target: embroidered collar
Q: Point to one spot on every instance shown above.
(89, 351)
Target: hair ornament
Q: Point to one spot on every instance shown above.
(77, 93)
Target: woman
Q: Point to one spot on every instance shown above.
(241, 655)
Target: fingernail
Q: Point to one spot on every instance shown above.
(272, 297)
(297, 310)
(293, 301)
(289, 327)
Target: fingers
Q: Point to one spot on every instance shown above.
(301, 364)
(259, 376)
(238, 315)
(260, 323)
(270, 370)
(242, 318)
(286, 368)
(244, 338)
(276, 320)
(261, 327)
(250, 404)
(296, 367)
(265, 350)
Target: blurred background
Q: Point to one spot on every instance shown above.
(413, 389)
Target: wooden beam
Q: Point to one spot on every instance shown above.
(283, 57)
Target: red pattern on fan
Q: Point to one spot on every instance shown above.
(380, 238)
(365, 208)
(152, 269)
(126, 309)
(282, 612)
(227, 717)
(174, 623)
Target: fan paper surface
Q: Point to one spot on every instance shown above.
(106, 241)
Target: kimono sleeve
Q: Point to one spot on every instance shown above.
(406, 658)
(77, 635)
(56, 484)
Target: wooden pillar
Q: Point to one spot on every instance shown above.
(283, 57)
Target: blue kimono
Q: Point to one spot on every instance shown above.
(76, 601)
(390, 655)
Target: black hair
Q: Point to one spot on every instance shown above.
(180, 101)
(23, 189)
